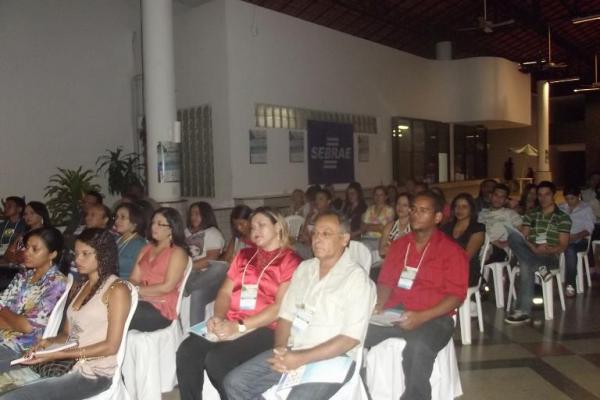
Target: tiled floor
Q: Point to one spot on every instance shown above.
(545, 360)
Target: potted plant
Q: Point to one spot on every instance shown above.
(122, 170)
(65, 192)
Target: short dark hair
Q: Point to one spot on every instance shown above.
(53, 240)
(380, 187)
(19, 202)
(438, 205)
(571, 190)
(311, 192)
(209, 220)
(96, 194)
(470, 200)
(40, 209)
(136, 217)
(327, 193)
(502, 186)
(547, 184)
(176, 224)
(239, 212)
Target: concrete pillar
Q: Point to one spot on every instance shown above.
(159, 90)
(543, 131)
(443, 50)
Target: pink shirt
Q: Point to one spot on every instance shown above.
(154, 273)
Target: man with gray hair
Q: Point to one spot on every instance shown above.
(320, 318)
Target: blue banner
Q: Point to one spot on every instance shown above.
(330, 152)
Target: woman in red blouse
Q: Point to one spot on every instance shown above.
(246, 307)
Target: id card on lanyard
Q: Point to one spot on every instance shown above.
(409, 273)
(249, 293)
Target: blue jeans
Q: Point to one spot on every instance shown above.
(251, 379)
(203, 287)
(529, 262)
(71, 386)
(571, 260)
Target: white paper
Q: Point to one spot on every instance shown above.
(387, 318)
(333, 370)
(50, 349)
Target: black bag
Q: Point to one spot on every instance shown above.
(53, 368)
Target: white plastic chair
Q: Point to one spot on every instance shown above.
(351, 390)
(55, 317)
(149, 366)
(295, 223)
(464, 311)
(547, 291)
(385, 376)
(497, 269)
(583, 261)
(360, 254)
(117, 390)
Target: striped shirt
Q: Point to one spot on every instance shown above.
(548, 226)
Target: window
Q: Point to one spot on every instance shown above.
(470, 152)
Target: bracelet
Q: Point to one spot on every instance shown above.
(81, 357)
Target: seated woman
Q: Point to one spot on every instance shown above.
(35, 216)
(400, 226)
(376, 217)
(131, 226)
(239, 221)
(297, 203)
(247, 304)
(354, 207)
(97, 216)
(467, 232)
(322, 204)
(30, 297)
(88, 321)
(158, 272)
(205, 242)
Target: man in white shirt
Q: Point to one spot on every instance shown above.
(495, 218)
(582, 219)
(324, 314)
(589, 193)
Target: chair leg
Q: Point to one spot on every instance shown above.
(561, 293)
(586, 263)
(512, 294)
(579, 277)
(548, 294)
(498, 284)
(479, 310)
(464, 315)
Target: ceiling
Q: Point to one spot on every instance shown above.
(415, 26)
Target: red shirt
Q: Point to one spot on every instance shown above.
(444, 271)
(280, 270)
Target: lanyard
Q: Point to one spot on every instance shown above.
(125, 242)
(263, 270)
(420, 260)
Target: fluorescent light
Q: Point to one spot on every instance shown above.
(589, 18)
(563, 80)
(402, 127)
(591, 89)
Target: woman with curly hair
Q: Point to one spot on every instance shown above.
(96, 316)
(158, 272)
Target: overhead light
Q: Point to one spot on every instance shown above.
(534, 62)
(589, 89)
(589, 18)
(563, 80)
(402, 127)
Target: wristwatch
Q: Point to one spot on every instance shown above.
(241, 327)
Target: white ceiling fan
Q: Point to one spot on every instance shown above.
(486, 25)
(545, 63)
(594, 86)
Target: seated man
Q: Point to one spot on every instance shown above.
(12, 225)
(545, 234)
(324, 314)
(425, 274)
(582, 226)
(495, 218)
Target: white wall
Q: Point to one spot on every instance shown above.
(65, 73)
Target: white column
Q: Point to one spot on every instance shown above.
(543, 131)
(159, 90)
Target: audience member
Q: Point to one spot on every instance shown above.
(400, 226)
(245, 310)
(27, 302)
(297, 203)
(589, 193)
(485, 194)
(239, 221)
(529, 199)
(354, 208)
(409, 185)
(158, 272)
(131, 226)
(12, 227)
(205, 242)
(319, 318)
(495, 218)
(447, 210)
(77, 224)
(469, 234)
(95, 317)
(582, 227)
(336, 202)
(309, 200)
(97, 216)
(377, 215)
(545, 234)
(392, 195)
(419, 187)
(425, 275)
(322, 204)
(137, 193)
(35, 216)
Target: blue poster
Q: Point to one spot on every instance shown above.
(330, 152)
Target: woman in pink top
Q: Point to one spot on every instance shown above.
(96, 315)
(158, 272)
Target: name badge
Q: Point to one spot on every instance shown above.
(541, 238)
(407, 277)
(302, 319)
(3, 248)
(248, 297)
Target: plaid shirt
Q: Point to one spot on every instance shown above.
(551, 225)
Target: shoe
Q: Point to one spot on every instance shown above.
(544, 273)
(517, 317)
(570, 291)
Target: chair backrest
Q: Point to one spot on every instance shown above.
(186, 275)
(354, 387)
(295, 223)
(483, 255)
(55, 317)
(361, 254)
